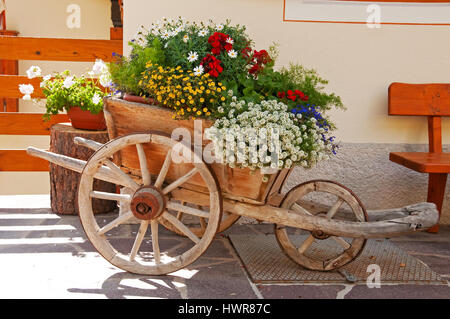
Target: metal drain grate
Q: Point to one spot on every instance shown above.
(266, 263)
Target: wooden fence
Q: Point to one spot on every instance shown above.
(12, 122)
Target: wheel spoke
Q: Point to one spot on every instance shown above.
(333, 210)
(299, 209)
(180, 226)
(305, 245)
(180, 181)
(187, 209)
(146, 178)
(125, 180)
(155, 241)
(138, 241)
(110, 196)
(164, 169)
(202, 223)
(341, 242)
(116, 222)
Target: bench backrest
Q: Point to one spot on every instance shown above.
(431, 100)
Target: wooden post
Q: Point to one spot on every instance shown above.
(9, 67)
(64, 182)
(436, 192)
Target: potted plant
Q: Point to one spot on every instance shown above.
(211, 71)
(80, 96)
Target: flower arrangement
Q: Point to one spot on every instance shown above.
(64, 90)
(209, 70)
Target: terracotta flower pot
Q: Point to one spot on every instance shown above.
(85, 120)
(139, 99)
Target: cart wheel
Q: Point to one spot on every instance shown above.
(148, 203)
(198, 224)
(319, 250)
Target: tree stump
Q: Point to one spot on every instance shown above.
(64, 182)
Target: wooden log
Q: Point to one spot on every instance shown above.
(64, 182)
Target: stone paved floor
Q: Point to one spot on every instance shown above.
(44, 255)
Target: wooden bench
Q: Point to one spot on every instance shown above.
(433, 101)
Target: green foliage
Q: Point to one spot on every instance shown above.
(127, 72)
(65, 91)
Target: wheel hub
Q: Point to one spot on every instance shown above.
(147, 203)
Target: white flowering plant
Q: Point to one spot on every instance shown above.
(63, 90)
(268, 135)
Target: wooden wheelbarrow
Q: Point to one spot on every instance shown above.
(196, 200)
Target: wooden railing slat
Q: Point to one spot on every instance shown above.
(51, 49)
(28, 123)
(20, 161)
(9, 86)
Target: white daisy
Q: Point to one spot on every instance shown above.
(229, 40)
(199, 70)
(192, 56)
(33, 72)
(203, 32)
(47, 77)
(165, 35)
(185, 38)
(232, 54)
(219, 27)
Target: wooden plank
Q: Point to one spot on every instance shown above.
(20, 161)
(9, 67)
(419, 99)
(9, 86)
(436, 193)
(28, 123)
(423, 162)
(116, 33)
(435, 134)
(51, 49)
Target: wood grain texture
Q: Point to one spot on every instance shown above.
(436, 192)
(28, 123)
(9, 86)
(423, 162)
(50, 49)
(20, 161)
(123, 117)
(64, 182)
(419, 99)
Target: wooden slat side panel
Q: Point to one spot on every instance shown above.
(9, 86)
(20, 161)
(28, 123)
(419, 99)
(49, 49)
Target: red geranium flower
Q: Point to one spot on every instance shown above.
(281, 95)
(212, 65)
(218, 41)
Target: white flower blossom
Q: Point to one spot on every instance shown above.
(96, 99)
(232, 54)
(203, 32)
(192, 56)
(33, 72)
(199, 70)
(185, 38)
(99, 67)
(219, 27)
(68, 82)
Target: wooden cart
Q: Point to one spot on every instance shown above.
(197, 200)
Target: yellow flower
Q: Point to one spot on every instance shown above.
(194, 109)
(188, 109)
(199, 113)
(183, 100)
(208, 113)
(205, 109)
(222, 98)
(202, 100)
